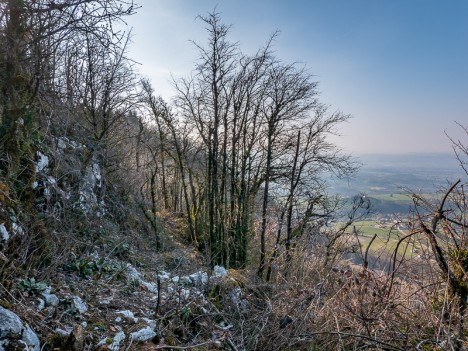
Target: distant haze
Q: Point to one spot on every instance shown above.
(398, 67)
(401, 173)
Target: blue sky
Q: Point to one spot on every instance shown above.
(399, 67)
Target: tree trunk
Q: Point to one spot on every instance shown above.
(290, 200)
(261, 266)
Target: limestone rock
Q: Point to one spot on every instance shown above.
(128, 315)
(50, 299)
(151, 322)
(143, 335)
(79, 304)
(15, 334)
(151, 287)
(42, 161)
(114, 343)
(219, 272)
(199, 278)
(163, 275)
(4, 235)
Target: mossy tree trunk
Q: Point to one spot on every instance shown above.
(12, 89)
(17, 117)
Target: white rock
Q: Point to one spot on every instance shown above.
(62, 332)
(164, 275)
(132, 272)
(199, 278)
(14, 330)
(236, 295)
(61, 144)
(79, 304)
(17, 229)
(128, 314)
(42, 161)
(50, 299)
(118, 338)
(116, 341)
(41, 304)
(144, 334)
(224, 326)
(96, 169)
(91, 180)
(196, 292)
(51, 180)
(184, 294)
(102, 342)
(4, 235)
(217, 344)
(151, 322)
(150, 286)
(118, 320)
(219, 272)
(185, 280)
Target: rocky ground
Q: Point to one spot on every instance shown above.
(96, 302)
(106, 286)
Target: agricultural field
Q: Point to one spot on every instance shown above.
(387, 235)
(383, 247)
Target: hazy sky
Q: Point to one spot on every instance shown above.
(399, 67)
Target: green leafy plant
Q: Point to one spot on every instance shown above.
(32, 286)
(123, 251)
(134, 283)
(186, 314)
(85, 267)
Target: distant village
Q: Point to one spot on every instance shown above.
(392, 220)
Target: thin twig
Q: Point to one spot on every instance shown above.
(383, 343)
(129, 345)
(162, 347)
(366, 262)
(231, 344)
(392, 277)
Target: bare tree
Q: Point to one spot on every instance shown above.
(290, 96)
(444, 223)
(302, 168)
(245, 113)
(36, 35)
(163, 116)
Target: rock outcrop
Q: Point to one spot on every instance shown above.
(15, 334)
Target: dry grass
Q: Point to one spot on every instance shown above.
(318, 305)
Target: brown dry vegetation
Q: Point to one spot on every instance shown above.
(97, 173)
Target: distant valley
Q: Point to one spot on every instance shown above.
(388, 179)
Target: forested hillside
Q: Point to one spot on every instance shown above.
(205, 222)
